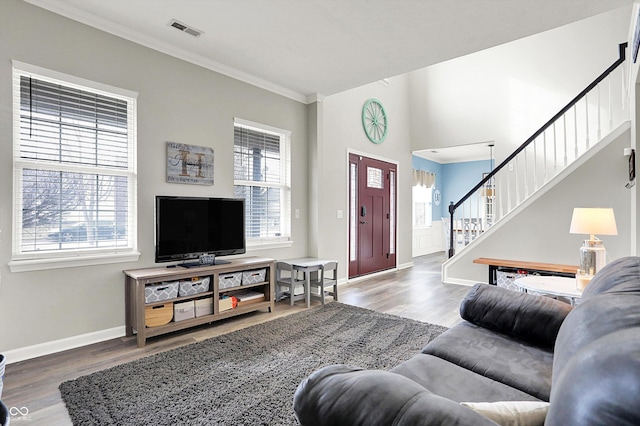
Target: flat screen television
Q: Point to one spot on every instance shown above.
(194, 228)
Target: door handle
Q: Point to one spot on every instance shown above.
(363, 222)
(363, 211)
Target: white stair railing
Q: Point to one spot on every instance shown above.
(594, 112)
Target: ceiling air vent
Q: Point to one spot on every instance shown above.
(185, 28)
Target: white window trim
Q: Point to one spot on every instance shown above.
(23, 262)
(255, 244)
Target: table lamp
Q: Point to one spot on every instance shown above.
(593, 221)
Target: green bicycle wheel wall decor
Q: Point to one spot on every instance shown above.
(374, 121)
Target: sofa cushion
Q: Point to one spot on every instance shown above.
(533, 319)
(601, 383)
(512, 413)
(621, 276)
(497, 357)
(591, 320)
(456, 383)
(340, 395)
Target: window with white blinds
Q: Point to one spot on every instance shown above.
(74, 168)
(261, 177)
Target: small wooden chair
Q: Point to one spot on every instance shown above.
(327, 277)
(289, 281)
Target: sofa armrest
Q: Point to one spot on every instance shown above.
(341, 395)
(533, 319)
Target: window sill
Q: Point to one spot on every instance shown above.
(268, 245)
(27, 265)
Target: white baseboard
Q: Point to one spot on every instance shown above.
(405, 265)
(376, 274)
(460, 281)
(47, 348)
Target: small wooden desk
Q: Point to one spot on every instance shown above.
(496, 264)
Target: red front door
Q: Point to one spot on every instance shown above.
(372, 215)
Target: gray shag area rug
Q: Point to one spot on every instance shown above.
(247, 377)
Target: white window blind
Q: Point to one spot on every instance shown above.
(74, 169)
(261, 177)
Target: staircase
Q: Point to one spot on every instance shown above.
(596, 111)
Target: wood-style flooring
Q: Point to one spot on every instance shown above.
(416, 293)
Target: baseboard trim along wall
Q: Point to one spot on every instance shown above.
(48, 348)
(376, 274)
(460, 281)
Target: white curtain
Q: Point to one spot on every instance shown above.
(422, 178)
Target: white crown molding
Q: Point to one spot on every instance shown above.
(314, 97)
(75, 14)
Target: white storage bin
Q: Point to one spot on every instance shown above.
(253, 277)
(194, 286)
(204, 306)
(160, 292)
(183, 310)
(230, 280)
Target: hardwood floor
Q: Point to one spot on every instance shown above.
(416, 293)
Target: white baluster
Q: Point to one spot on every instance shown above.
(544, 154)
(610, 103)
(555, 150)
(599, 133)
(526, 175)
(575, 129)
(535, 165)
(515, 169)
(499, 195)
(564, 129)
(509, 192)
(586, 119)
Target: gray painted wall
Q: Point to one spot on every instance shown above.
(343, 133)
(177, 102)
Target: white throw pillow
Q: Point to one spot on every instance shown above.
(512, 413)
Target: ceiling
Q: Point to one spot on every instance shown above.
(459, 154)
(309, 49)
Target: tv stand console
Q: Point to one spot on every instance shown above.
(136, 280)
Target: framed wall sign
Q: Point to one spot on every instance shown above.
(189, 164)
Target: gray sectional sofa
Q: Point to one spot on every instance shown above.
(511, 346)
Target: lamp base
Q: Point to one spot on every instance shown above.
(582, 280)
(592, 257)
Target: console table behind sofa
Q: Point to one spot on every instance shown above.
(531, 267)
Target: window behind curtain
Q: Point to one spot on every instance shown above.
(261, 177)
(74, 169)
(422, 206)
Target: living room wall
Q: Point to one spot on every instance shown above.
(177, 101)
(341, 133)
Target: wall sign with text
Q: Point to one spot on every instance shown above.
(189, 164)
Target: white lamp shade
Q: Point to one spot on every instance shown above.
(592, 221)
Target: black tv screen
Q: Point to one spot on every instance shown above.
(189, 227)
